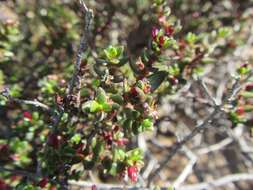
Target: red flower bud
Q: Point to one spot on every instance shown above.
(249, 87)
(240, 110)
(154, 32)
(122, 142)
(132, 172)
(27, 115)
(169, 30)
(161, 40)
(53, 140)
(134, 92)
(43, 182)
(4, 148)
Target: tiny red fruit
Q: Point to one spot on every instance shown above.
(132, 172)
(169, 30)
(249, 87)
(53, 140)
(43, 182)
(27, 115)
(240, 110)
(133, 91)
(161, 40)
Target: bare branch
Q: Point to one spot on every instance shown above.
(219, 182)
(199, 128)
(215, 147)
(20, 172)
(188, 168)
(76, 78)
(35, 103)
(206, 91)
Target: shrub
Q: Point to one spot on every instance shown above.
(61, 120)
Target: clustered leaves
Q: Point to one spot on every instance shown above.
(117, 98)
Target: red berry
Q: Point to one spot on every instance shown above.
(53, 140)
(161, 40)
(27, 115)
(240, 110)
(4, 148)
(169, 30)
(43, 182)
(133, 91)
(132, 172)
(249, 87)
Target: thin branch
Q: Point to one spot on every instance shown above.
(219, 182)
(199, 128)
(179, 145)
(20, 172)
(188, 168)
(76, 78)
(215, 147)
(206, 91)
(35, 103)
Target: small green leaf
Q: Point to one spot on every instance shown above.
(106, 107)
(191, 38)
(101, 96)
(117, 98)
(113, 169)
(134, 155)
(147, 124)
(224, 32)
(113, 53)
(119, 154)
(95, 106)
(76, 139)
(156, 79)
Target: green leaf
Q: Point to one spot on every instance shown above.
(208, 60)
(106, 107)
(119, 154)
(117, 98)
(247, 94)
(113, 53)
(156, 79)
(191, 38)
(113, 169)
(101, 96)
(95, 106)
(134, 155)
(224, 32)
(76, 139)
(243, 70)
(147, 124)
(174, 70)
(97, 150)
